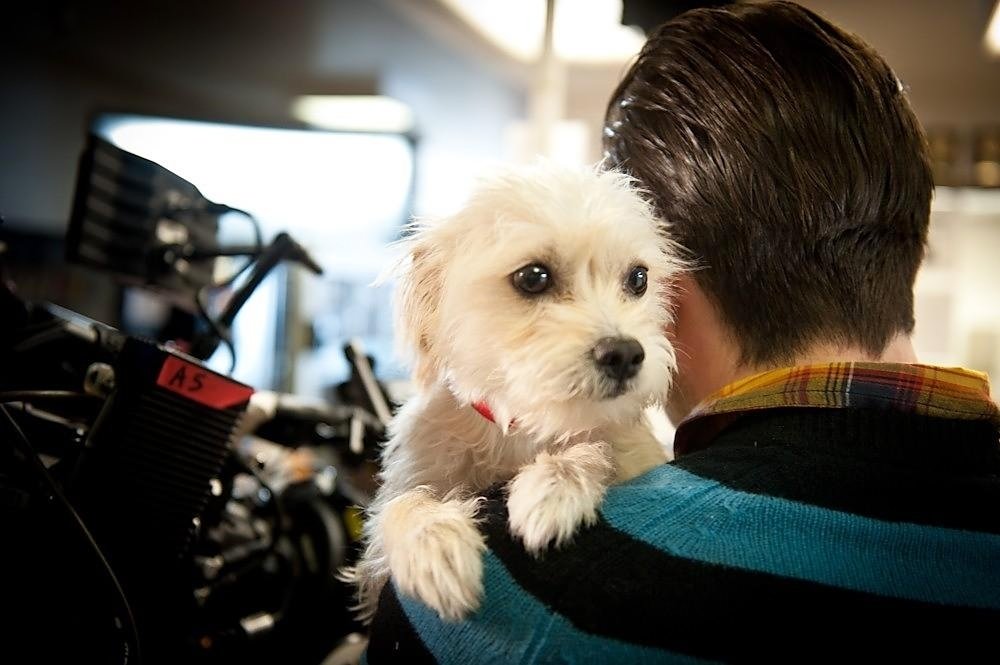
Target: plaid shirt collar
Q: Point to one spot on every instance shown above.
(943, 392)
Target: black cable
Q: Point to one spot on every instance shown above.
(235, 250)
(236, 274)
(217, 330)
(258, 236)
(221, 330)
(221, 209)
(251, 253)
(28, 395)
(222, 335)
(281, 248)
(37, 334)
(29, 452)
(37, 339)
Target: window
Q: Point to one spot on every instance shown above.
(344, 196)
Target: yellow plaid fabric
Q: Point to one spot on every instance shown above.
(927, 390)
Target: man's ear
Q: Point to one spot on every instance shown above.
(420, 280)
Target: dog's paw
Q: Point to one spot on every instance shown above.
(434, 550)
(557, 493)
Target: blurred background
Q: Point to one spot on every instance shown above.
(338, 120)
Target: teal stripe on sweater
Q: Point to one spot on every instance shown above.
(696, 518)
(511, 626)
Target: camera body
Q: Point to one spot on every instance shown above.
(225, 544)
(156, 510)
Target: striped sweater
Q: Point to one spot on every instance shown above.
(808, 529)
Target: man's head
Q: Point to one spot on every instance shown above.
(782, 153)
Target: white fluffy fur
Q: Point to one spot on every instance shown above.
(435, 550)
(474, 337)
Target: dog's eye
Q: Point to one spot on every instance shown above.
(637, 281)
(531, 279)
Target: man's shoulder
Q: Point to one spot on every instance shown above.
(579, 602)
(688, 550)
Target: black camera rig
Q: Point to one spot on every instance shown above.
(156, 510)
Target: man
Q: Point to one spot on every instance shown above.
(831, 499)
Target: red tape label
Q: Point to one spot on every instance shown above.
(199, 384)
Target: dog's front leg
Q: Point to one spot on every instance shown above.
(558, 492)
(434, 550)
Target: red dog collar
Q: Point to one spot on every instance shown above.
(484, 410)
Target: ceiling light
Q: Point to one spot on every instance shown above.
(358, 113)
(993, 32)
(584, 32)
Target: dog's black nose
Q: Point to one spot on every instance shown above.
(619, 357)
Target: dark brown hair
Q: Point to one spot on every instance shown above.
(783, 155)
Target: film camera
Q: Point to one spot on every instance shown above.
(156, 510)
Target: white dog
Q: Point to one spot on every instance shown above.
(535, 318)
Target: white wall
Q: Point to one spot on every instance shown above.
(958, 289)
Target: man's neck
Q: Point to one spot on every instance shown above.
(709, 357)
(899, 350)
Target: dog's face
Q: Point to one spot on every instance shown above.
(545, 297)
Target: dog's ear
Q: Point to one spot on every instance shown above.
(419, 282)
